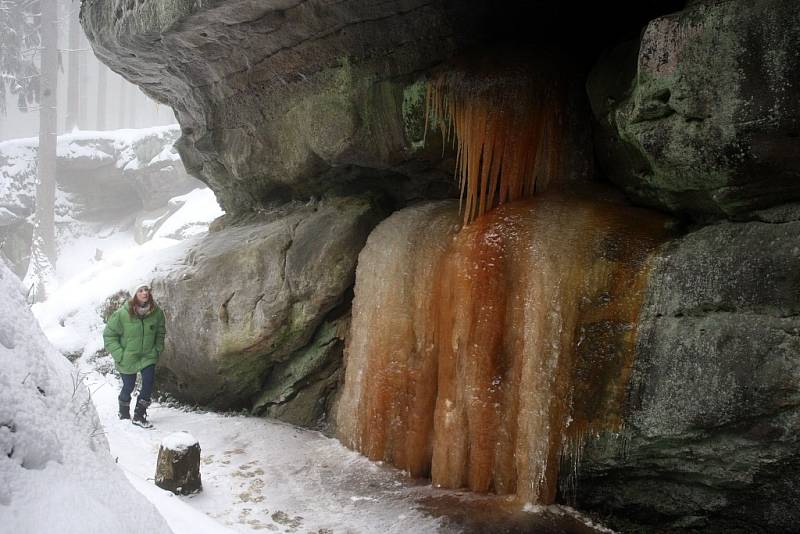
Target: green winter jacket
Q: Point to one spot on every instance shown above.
(135, 342)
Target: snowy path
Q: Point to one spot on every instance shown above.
(262, 475)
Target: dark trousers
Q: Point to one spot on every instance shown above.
(129, 382)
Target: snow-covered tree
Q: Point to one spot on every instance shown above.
(43, 245)
(74, 89)
(19, 44)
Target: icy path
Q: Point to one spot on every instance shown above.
(261, 475)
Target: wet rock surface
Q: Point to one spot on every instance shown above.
(711, 437)
(301, 389)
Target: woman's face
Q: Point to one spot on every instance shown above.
(143, 295)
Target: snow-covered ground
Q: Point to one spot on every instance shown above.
(261, 475)
(258, 474)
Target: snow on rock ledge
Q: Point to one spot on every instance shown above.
(102, 178)
(56, 474)
(90, 156)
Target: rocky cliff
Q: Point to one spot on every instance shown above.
(307, 119)
(700, 117)
(711, 440)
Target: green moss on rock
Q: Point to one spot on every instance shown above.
(414, 113)
(702, 128)
(300, 371)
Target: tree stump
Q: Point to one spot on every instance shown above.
(178, 465)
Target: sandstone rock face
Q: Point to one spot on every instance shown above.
(305, 99)
(250, 297)
(702, 115)
(301, 389)
(272, 94)
(714, 410)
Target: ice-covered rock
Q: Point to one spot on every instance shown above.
(251, 297)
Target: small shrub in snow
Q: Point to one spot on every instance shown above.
(113, 303)
(73, 356)
(103, 363)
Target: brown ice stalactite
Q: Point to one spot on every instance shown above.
(482, 356)
(506, 121)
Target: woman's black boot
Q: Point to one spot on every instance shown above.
(124, 410)
(140, 414)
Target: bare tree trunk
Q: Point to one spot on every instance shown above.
(83, 62)
(73, 70)
(122, 101)
(43, 245)
(101, 96)
(134, 97)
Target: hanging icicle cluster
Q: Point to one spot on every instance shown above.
(507, 125)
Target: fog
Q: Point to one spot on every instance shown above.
(124, 105)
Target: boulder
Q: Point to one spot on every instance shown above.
(107, 175)
(701, 115)
(113, 173)
(712, 437)
(250, 297)
(178, 464)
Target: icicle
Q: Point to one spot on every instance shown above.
(506, 124)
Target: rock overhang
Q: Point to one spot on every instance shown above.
(271, 93)
(273, 96)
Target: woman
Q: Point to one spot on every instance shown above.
(134, 335)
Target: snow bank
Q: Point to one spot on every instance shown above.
(56, 474)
